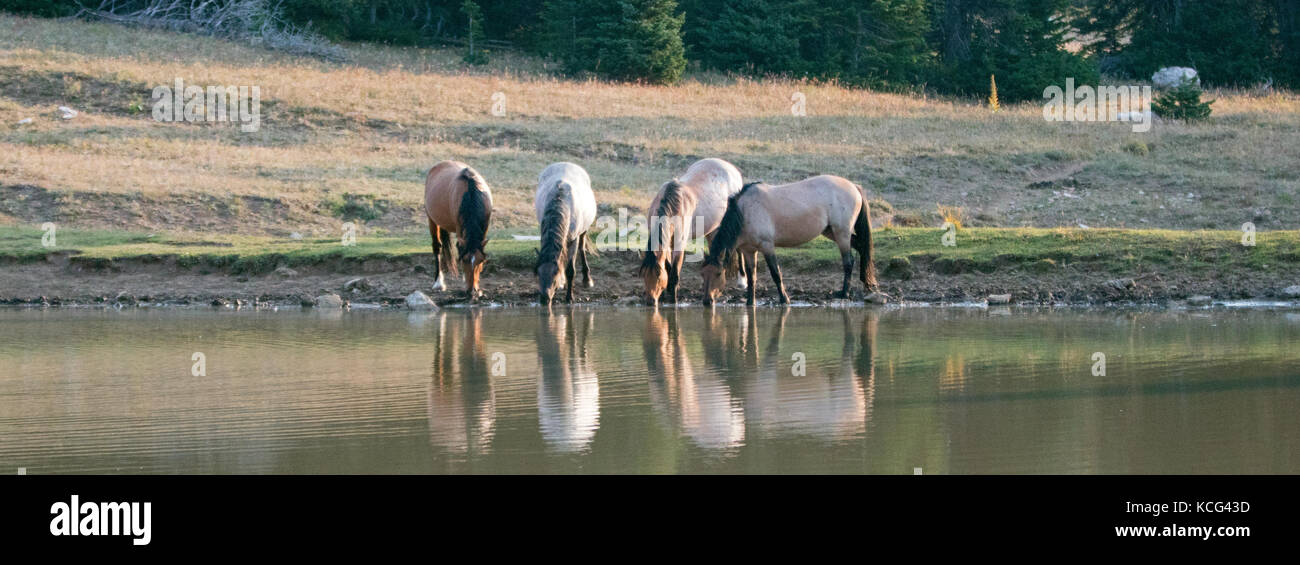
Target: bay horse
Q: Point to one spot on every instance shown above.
(566, 207)
(695, 201)
(457, 199)
(761, 218)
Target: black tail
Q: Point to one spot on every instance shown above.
(555, 228)
(474, 214)
(861, 241)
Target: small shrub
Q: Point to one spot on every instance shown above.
(1137, 147)
(1182, 103)
(364, 207)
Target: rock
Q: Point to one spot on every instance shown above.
(1200, 300)
(68, 113)
(627, 300)
(218, 302)
(328, 301)
(899, 268)
(877, 298)
(295, 235)
(286, 272)
(24, 121)
(124, 298)
(306, 301)
(419, 301)
(357, 284)
(999, 299)
(1171, 77)
(1121, 284)
(1292, 291)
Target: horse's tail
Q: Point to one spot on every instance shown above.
(861, 241)
(474, 214)
(555, 227)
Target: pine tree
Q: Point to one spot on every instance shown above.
(625, 40)
(474, 55)
(1182, 103)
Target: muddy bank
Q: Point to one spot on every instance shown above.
(158, 280)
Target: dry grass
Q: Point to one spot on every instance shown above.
(375, 124)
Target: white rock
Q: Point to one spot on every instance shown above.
(24, 121)
(359, 283)
(1170, 77)
(999, 299)
(420, 301)
(1200, 300)
(295, 235)
(1292, 291)
(68, 113)
(329, 301)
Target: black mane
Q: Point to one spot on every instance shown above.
(733, 222)
(670, 205)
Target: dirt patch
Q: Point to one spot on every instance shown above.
(81, 91)
(227, 214)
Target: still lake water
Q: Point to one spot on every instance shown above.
(604, 390)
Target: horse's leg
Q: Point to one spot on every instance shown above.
(843, 238)
(570, 266)
(749, 260)
(674, 267)
(846, 257)
(745, 278)
(435, 233)
(582, 256)
(769, 255)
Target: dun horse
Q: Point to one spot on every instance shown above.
(761, 218)
(457, 199)
(566, 208)
(696, 200)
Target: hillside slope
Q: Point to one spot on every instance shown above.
(353, 141)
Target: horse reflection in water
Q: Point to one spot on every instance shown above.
(699, 403)
(830, 403)
(568, 393)
(462, 404)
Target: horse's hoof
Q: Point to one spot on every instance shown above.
(588, 283)
(437, 285)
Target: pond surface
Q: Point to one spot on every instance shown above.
(604, 390)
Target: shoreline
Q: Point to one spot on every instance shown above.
(1016, 265)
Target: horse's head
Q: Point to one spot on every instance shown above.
(471, 263)
(655, 275)
(548, 279)
(715, 281)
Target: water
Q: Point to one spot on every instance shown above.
(603, 390)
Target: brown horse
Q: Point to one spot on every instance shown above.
(457, 199)
(762, 218)
(693, 203)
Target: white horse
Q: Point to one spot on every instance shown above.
(566, 207)
(696, 201)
